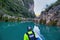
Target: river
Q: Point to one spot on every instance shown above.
(16, 30)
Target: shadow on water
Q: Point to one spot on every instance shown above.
(16, 30)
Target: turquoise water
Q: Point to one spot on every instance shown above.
(16, 30)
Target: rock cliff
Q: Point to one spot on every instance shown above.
(21, 8)
(52, 14)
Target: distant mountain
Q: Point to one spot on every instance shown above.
(21, 8)
(52, 14)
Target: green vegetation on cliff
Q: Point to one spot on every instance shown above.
(16, 8)
(53, 23)
(42, 21)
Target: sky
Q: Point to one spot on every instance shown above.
(40, 5)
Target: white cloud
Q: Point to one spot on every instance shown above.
(40, 5)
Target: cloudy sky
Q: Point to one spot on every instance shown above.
(40, 5)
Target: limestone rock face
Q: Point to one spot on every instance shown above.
(52, 15)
